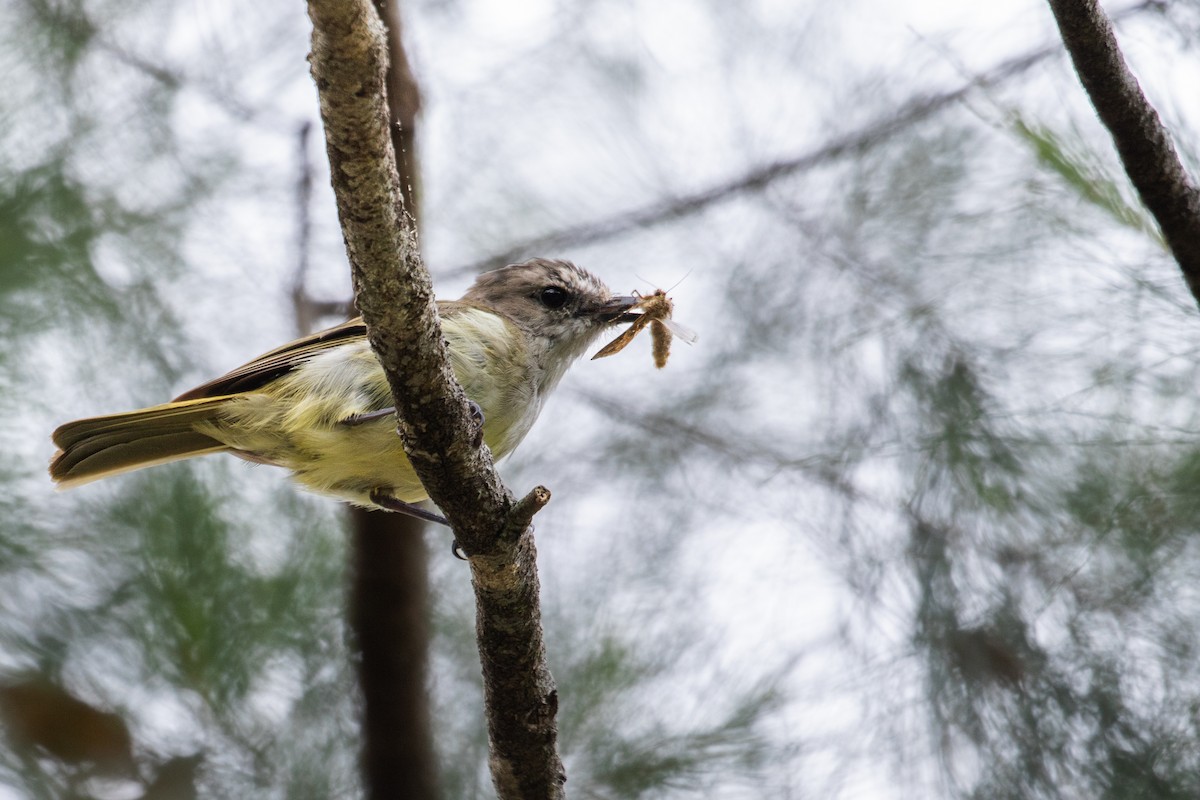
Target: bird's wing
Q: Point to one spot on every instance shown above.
(279, 361)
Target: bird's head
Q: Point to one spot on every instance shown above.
(560, 307)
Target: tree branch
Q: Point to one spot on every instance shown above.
(392, 287)
(404, 102)
(758, 178)
(1141, 139)
(389, 597)
(916, 110)
(349, 58)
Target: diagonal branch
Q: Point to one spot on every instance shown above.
(914, 111)
(1141, 139)
(389, 581)
(394, 293)
(392, 287)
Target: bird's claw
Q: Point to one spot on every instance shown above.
(385, 501)
(478, 418)
(370, 416)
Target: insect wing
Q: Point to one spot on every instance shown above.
(684, 333)
(621, 342)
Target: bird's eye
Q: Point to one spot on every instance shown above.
(553, 297)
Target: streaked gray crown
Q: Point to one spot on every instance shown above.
(517, 291)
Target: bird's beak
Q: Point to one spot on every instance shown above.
(617, 309)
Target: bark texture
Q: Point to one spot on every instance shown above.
(389, 606)
(1141, 139)
(349, 58)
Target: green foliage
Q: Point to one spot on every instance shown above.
(617, 749)
(961, 445)
(1090, 178)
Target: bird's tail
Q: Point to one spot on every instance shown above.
(97, 447)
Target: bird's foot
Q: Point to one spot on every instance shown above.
(370, 416)
(385, 501)
(478, 418)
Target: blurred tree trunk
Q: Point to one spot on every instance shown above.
(390, 585)
(389, 613)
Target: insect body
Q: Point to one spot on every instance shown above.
(655, 313)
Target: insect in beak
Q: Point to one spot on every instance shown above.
(653, 310)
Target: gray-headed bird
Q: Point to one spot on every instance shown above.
(322, 408)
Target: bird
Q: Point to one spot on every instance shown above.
(321, 406)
